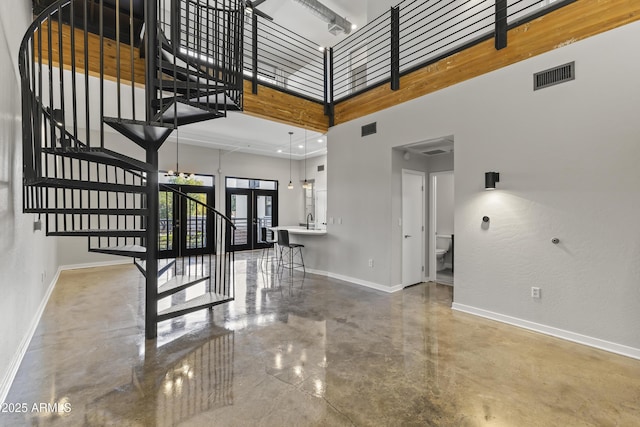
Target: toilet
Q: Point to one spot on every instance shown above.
(443, 245)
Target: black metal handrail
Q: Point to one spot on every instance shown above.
(56, 103)
(362, 58)
(200, 243)
(202, 44)
(279, 58)
(412, 35)
(204, 205)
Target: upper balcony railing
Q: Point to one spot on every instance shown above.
(277, 57)
(409, 36)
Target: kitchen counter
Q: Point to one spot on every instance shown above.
(315, 245)
(296, 229)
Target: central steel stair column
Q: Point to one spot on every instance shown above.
(152, 195)
(151, 291)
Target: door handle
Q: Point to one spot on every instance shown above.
(407, 235)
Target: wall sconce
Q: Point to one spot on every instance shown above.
(490, 179)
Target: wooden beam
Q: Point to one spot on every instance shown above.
(282, 107)
(93, 42)
(563, 26)
(269, 103)
(566, 25)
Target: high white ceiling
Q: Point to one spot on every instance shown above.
(299, 19)
(245, 133)
(242, 132)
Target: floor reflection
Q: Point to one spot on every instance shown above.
(164, 391)
(311, 351)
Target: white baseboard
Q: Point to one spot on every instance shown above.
(96, 264)
(11, 373)
(356, 281)
(549, 330)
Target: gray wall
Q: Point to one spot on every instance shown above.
(28, 262)
(568, 162)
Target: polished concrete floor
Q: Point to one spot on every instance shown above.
(317, 352)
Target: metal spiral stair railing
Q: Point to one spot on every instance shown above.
(75, 80)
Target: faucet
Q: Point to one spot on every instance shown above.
(309, 215)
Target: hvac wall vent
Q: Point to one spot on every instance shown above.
(320, 168)
(370, 129)
(554, 76)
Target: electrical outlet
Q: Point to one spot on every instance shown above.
(535, 292)
(371, 262)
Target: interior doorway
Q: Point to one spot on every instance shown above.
(442, 236)
(413, 227)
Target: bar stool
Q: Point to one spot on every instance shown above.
(288, 260)
(270, 242)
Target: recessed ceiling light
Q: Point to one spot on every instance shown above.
(300, 146)
(354, 26)
(279, 151)
(320, 140)
(321, 48)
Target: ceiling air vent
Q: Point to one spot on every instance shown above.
(370, 129)
(554, 76)
(434, 152)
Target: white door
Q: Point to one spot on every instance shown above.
(321, 209)
(412, 227)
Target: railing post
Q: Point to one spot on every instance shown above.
(28, 141)
(395, 48)
(151, 53)
(325, 55)
(331, 105)
(254, 53)
(501, 24)
(174, 17)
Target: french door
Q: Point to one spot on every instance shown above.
(251, 210)
(185, 228)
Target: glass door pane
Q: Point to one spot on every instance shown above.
(195, 222)
(250, 210)
(264, 215)
(165, 230)
(239, 214)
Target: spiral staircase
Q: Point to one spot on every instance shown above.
(142, 68)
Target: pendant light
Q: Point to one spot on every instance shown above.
(175, 173)
(307, 184)
(290, 186)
